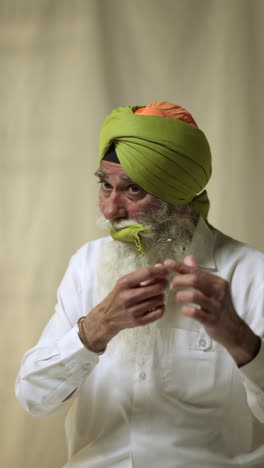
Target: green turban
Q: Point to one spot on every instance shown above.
(168, 158)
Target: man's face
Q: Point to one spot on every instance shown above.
(120, 198)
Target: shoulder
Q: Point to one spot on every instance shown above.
(88, 252)
(243, 266)
(229, 251)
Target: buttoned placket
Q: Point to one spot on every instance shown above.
(142, 394)
(204, 342)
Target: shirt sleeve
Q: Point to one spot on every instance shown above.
(252, 374)
(57, 366)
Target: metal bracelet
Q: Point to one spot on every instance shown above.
(79, 327)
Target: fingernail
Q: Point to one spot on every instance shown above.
(169, 262)
(144, 283)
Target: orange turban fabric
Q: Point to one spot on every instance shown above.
(169, 110)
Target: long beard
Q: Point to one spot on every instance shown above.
(119, 258)
(165, 222)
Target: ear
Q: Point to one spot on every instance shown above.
(189, 260)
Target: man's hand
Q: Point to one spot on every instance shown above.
(206, 297)
(137, 299)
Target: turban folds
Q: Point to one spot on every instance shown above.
(167, 157)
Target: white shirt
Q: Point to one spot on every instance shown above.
(186, 405)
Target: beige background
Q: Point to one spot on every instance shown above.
(64, 65)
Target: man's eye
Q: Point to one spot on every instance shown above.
(134, 188)
(104, 184)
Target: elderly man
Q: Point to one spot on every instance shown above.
(157, 333)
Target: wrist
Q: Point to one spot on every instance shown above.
(245, 345)
(96, 345)
(95, 332)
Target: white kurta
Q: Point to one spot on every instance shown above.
(184, 404)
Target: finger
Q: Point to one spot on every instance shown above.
(201, 280)
(132, 280)
(151, 281)
(192, 296)
(147, 282)
(147, 306)
(194, 313)
(190, 280)
(151, 316)
(179, 267)
(190, 261)
(137, 295)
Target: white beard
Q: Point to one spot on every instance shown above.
(120, 258)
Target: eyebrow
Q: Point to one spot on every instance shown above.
(103, 175)
(127, 179)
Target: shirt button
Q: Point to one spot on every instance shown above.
(203, 344)
(142, 375)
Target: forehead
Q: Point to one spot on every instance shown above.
(111, 169)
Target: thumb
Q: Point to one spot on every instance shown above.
(189, 260)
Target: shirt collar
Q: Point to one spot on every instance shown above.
(202, 246)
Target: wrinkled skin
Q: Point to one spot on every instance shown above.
(209, 302)
(137, 299)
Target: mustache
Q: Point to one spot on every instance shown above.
(107, 225)
(164, 220)
(120, 223)
(156, 215)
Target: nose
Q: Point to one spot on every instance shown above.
(114, 206)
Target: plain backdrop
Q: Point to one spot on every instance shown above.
(65, 64)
